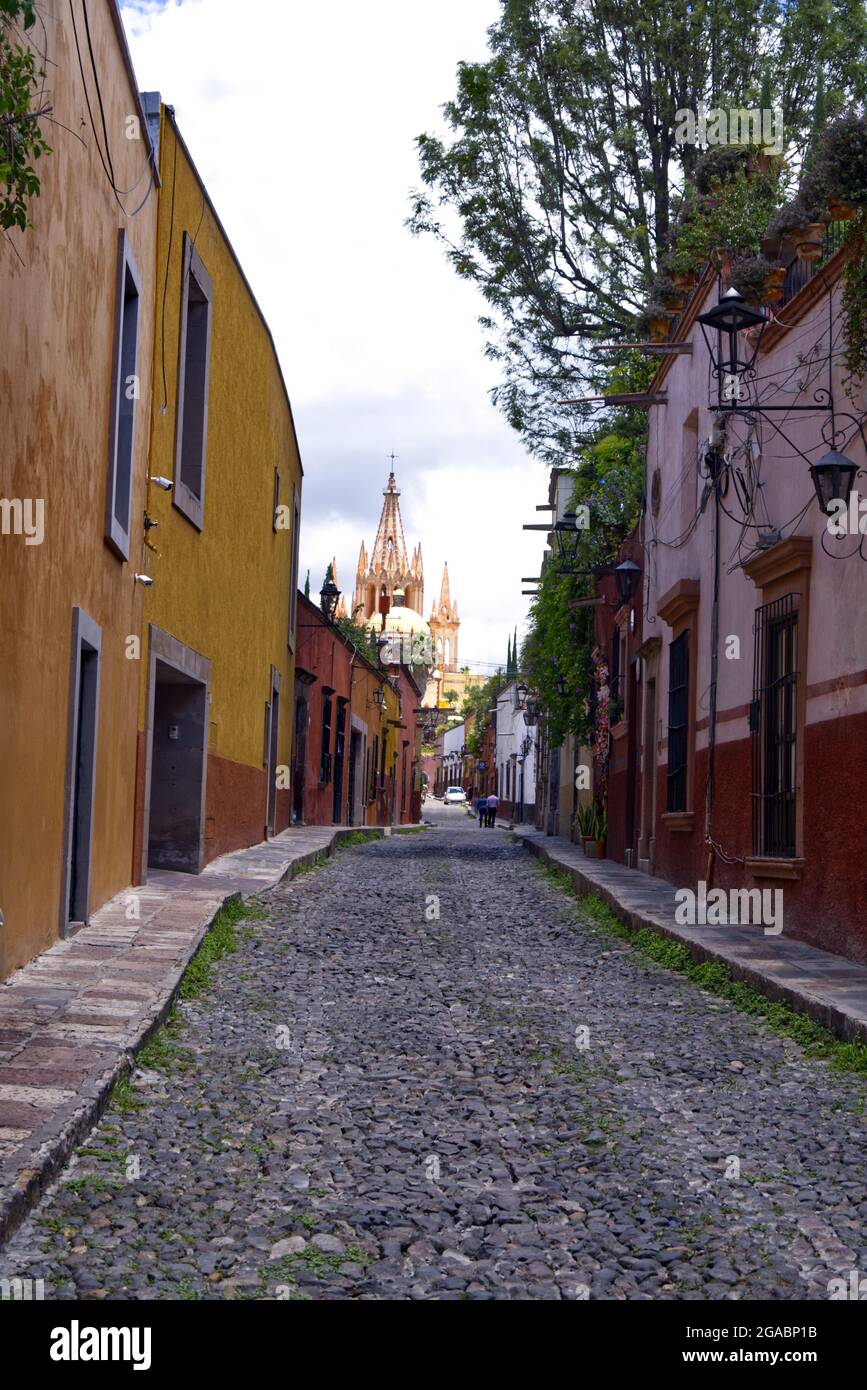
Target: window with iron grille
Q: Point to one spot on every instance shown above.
(678, 721)
(773, 725)
(615, 682)
(325, 755)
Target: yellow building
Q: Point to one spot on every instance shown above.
(77, 290)
(217, 667)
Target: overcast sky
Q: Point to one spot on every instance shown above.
(301, 117)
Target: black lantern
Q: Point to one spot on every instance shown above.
(731, 318)
(560, 686)
(566, 538)
(379, 696)
(833, 477)
(329, 597)
(520, 695)
(627, 575)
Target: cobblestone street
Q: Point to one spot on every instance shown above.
(383, 1095)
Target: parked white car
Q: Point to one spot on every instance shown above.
(454, 795)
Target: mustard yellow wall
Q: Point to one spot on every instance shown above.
(223, 591)
(57, 315)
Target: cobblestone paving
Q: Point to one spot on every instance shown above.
(377, 1102)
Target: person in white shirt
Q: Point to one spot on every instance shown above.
(493, 803)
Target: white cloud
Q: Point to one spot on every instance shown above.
(301, 119)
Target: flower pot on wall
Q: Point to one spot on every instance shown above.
(659, 329)
(589, 847)
(600, 849)
(840, 210)
(808, 241)
(772, 291)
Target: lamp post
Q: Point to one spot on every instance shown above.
(832, 478)
(329, 597)
(627, 575)
(728, 322)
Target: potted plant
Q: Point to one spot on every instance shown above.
(656, 320)
(758, 279)
(584, 824)
(717, 164)
(840, 165)
(601, 832)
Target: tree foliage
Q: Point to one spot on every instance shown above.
(21, 107)
(609, 482)
(559, 183)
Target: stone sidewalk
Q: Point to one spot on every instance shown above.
(71, 1019)
(827, 988)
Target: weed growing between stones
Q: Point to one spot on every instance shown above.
(717, 978)
(221, 940)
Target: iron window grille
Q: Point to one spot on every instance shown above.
(616, 680)
(773, 726)
(325, 756)
(678, 721)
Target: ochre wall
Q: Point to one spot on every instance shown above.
(224, 591)
(57, 314)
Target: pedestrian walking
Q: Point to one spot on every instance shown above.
(491, 809)
(482, 807)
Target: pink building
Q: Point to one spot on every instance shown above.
(786, 745)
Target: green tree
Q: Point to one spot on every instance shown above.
(22, 106)
(560, 181)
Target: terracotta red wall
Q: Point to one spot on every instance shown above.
(827, 907)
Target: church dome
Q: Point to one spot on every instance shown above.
(400, 619)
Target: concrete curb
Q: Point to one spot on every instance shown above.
(828, 989)
(39, 1160)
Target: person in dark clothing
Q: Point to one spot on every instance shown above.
(482, 807)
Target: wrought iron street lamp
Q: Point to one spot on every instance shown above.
(379, 696)
(329, 597)
(521, 693)
(627, 575)
(833, 477)
(732, 355)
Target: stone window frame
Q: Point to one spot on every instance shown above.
(678, 608)
(86, 634)
(121, 442)
(188, 502)
(783, 569)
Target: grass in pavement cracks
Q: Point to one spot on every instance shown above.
(717, 979)
(162, 1051)
(221, 940)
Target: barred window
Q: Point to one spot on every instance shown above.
(773, 725)
(678, 721)
(325, 754)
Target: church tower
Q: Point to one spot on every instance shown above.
(444, 625)
(389, 568)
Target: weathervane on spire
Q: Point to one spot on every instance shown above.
(391, 483)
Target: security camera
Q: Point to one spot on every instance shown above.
(165, 483)
(144, 579)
